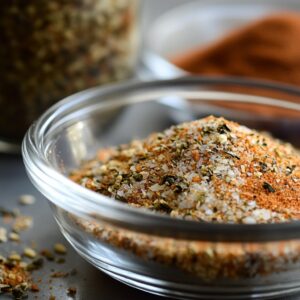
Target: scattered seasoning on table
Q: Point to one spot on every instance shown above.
(22, 223)
(34, 288)
(3, 235)
(47, 254)
(60, 248)
(60, 260)
(26, 199)
(71, 292)
(59, 274)
(16, 269)
(30, 253)
(14, 278)
(210, 170)
(14, 237)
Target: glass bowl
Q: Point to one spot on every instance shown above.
(200, 23)
(159, 254)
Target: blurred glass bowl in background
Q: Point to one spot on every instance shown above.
(198, 24)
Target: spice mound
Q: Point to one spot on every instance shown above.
(210, 170)
(263, 49)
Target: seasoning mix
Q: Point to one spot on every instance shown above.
(209, 170)
(53, 49)
(18, 261)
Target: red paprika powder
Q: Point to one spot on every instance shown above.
(268, 48)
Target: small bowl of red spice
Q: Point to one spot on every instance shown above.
(257, 40)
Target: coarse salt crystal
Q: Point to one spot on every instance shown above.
(258, 174)
(227, 179)
(208, 212)
(249, 220)
(120, 193)
(252, 203)
(262, 214)
(222, 138)
(156, 187)
(231, 173)
(165, 168)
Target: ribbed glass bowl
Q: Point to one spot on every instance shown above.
(159, 254)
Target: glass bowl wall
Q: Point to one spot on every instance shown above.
(155, 253)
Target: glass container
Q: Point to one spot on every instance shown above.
(55, 48)
(156, 253)
(200, 23)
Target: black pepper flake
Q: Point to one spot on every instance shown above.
(232, 154)
(60, 260)
(268, 187)
(35, 265)
(19, 293)
(137, 177)
(10, 264)
(290, 169)
(223, 129)
(207, 130)
(159, 136)
(5, 288)
(181, 187)
(120, 198)
(162, 206)
(48, 254)
(263, 167)
(141, 158)
(169, 179)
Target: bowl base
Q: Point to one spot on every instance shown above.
(177, 290)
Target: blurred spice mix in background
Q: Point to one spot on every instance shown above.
(265, 49)
(268, 48)
(51, 49)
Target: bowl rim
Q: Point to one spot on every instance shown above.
(116, 213)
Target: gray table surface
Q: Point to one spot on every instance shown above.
(91, 283)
